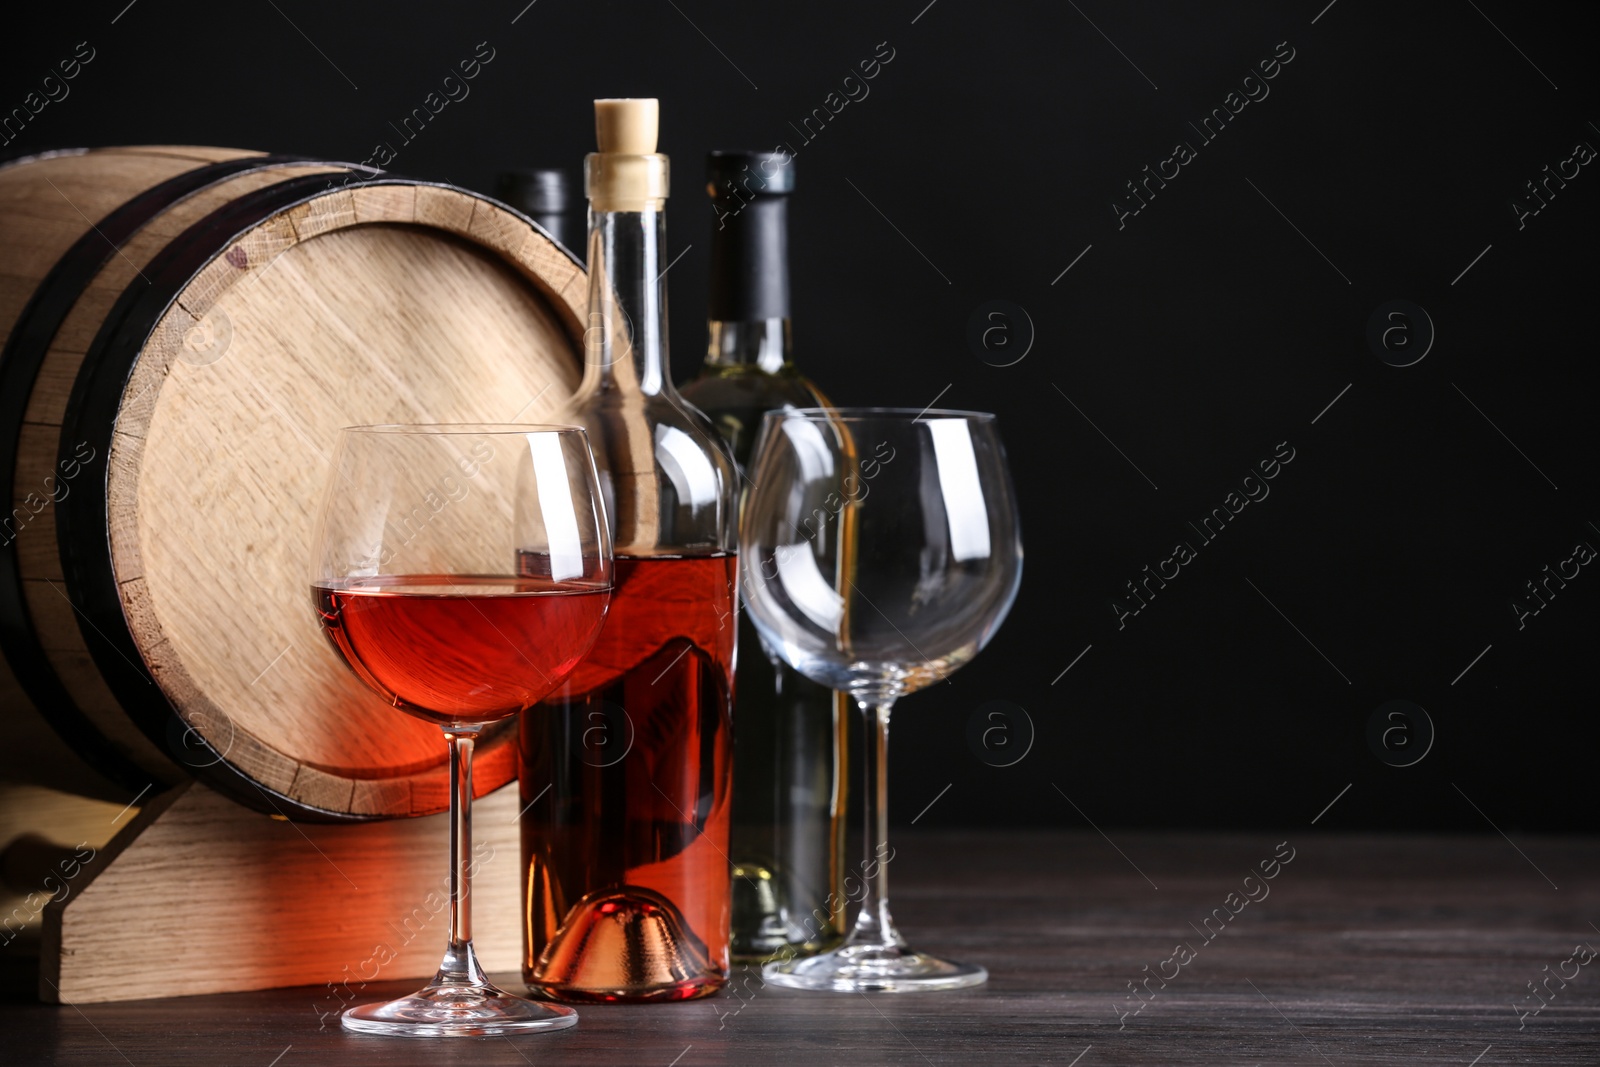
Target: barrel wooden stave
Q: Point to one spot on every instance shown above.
(53, 613)
(55, 200)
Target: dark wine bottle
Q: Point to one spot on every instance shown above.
(541, 194)
(790, 733)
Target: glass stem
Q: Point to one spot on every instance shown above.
(874, 926)
(460, 966)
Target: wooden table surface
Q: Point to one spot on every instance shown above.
(1384, 950)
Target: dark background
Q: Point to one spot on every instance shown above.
(1196, 339)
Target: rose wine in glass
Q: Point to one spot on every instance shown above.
(459, 649)
(462, 572)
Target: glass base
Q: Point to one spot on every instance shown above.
(457, 1010)
(873, 969)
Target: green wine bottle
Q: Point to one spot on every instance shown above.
(790, 734)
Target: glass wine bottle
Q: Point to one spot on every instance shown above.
(791, 741)
(541, 194)
(625, 771)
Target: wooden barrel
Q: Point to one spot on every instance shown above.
(185, 330)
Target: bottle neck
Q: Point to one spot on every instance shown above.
(625, 340)
(749, 309)
(764, 344)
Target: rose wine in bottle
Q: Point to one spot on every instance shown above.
(626, 769)
(790, 753)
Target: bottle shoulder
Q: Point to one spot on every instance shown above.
(612, 411)
(735, 399)
(744, 386)
(669, 478)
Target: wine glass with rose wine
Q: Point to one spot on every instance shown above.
(879, 551)
(462, 572)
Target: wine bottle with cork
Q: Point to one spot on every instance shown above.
(625, 771)
(791, 745)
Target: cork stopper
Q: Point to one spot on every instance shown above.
(626, 174)
(627, 125)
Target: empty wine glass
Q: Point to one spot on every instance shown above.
(461, 572)
(879, 551)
